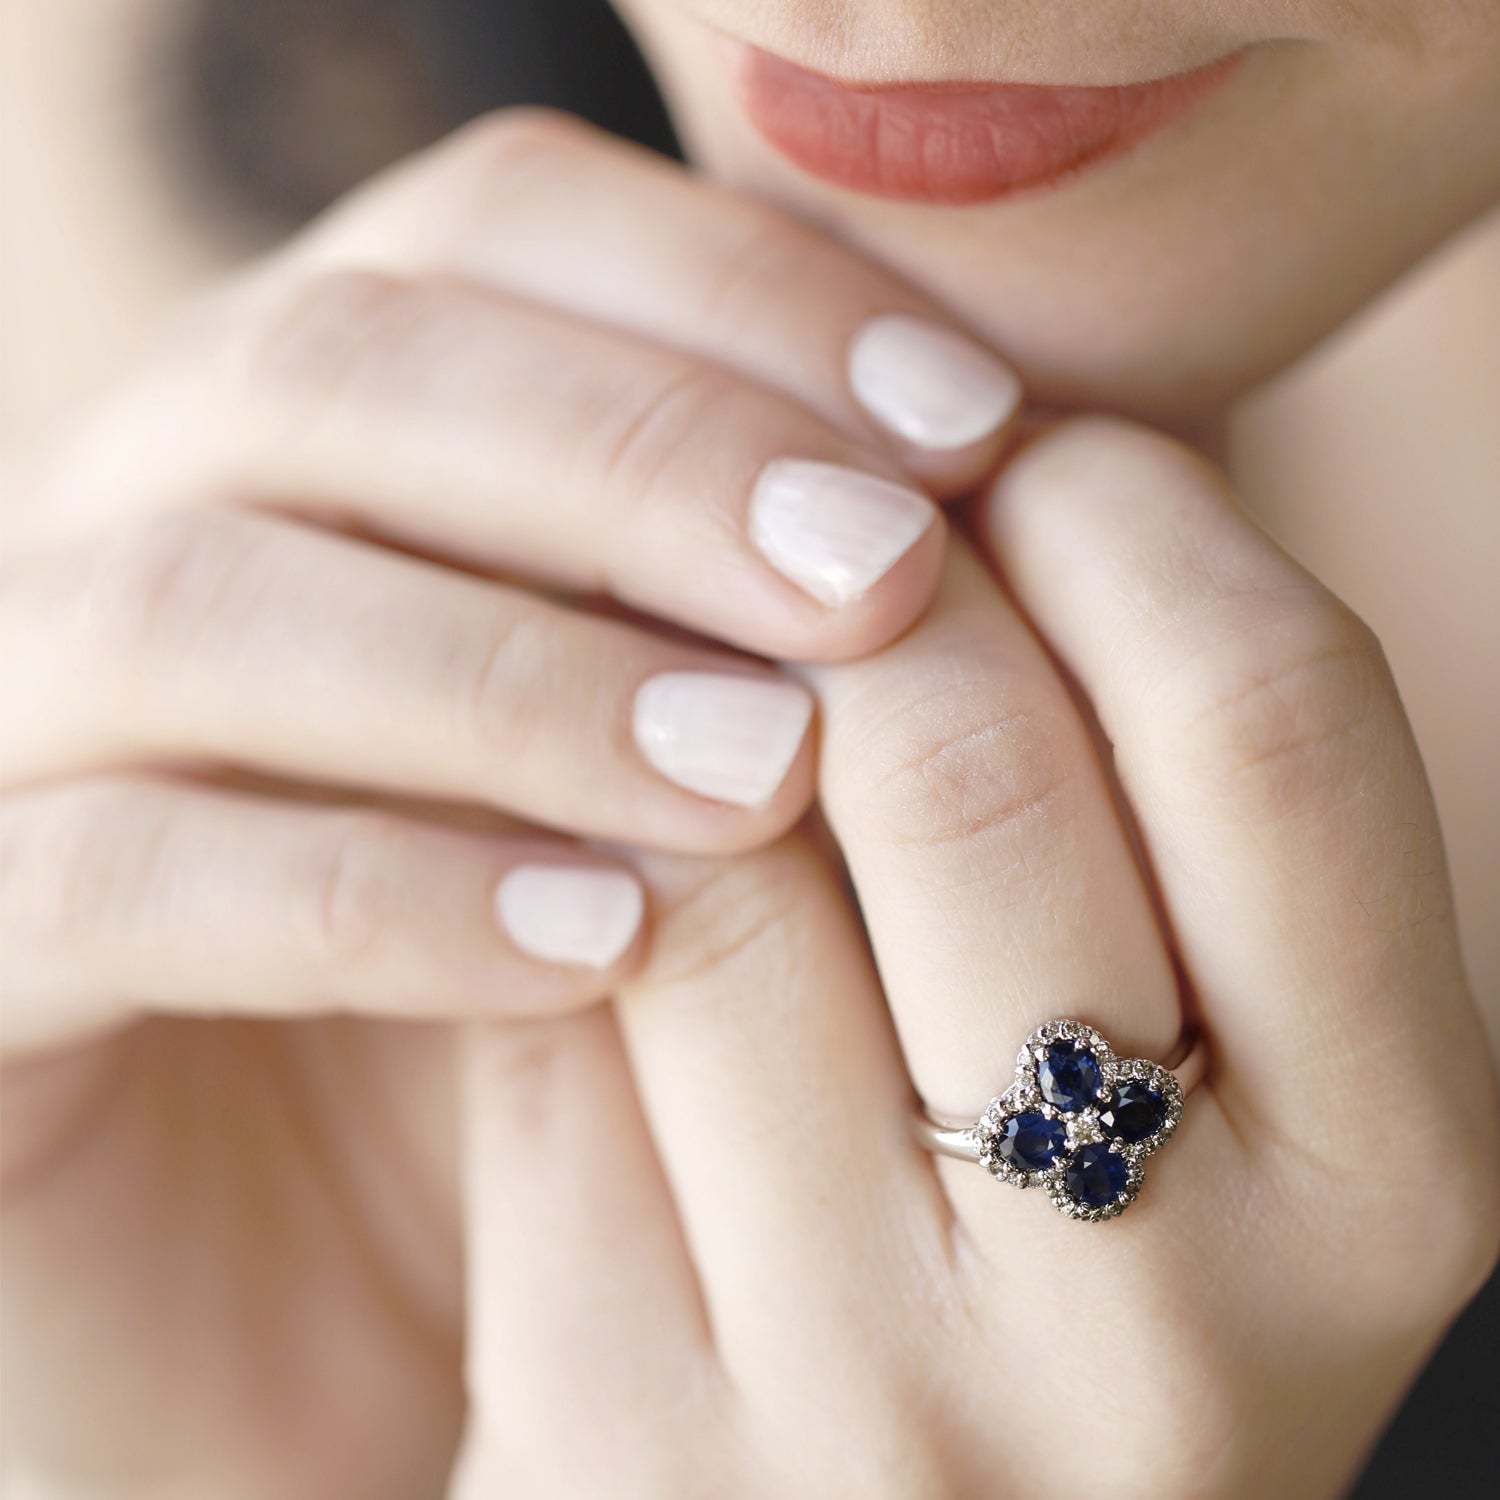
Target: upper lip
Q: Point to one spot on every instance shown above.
(972, 85)
(877, 58)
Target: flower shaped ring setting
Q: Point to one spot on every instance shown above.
(1078, 1122)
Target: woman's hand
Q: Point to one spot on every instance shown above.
(1160, 777)
(217, 569)
(284, 702)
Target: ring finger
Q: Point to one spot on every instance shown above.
(993, 869)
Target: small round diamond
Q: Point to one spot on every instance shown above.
(1096, 1176)
(1069, 1076)
(1030, 1142)
(1134, 1113)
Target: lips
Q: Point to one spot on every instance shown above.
(956, 143)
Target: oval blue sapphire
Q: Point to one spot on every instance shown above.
(1069, 1076)
(1133, 1113)
(1030, 1142)
(1096, 1176)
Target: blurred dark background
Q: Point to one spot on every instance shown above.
(287, 103)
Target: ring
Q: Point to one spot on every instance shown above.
(1078, 1122)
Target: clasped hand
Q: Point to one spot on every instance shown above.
(482, 509)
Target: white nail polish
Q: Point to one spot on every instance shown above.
(569, 914)
(729, 738)
(834, 531)
(929, 384)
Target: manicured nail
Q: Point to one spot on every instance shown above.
(566, 914)
(928, 384)
(834, 531)
(729, 738)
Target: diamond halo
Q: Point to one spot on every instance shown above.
(1071, 1182)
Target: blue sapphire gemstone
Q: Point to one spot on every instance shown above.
(1069, 1076)
(1133, 1113)
(1096, 1176)
(1031, 1142)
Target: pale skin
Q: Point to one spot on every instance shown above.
(700, 1205)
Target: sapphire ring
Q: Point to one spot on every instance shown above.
(1078, 1122)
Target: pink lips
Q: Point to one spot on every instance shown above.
(956, 143)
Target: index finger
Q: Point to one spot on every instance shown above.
(548, 208)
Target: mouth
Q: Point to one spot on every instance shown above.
(957, 143)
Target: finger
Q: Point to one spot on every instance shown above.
(577, 1272)
(258, 642)
(770, 1077)
(1260, 739)
(122, 895)
(518, 439)
(563, 213)
(994, 875)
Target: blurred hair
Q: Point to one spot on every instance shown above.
(293, 102)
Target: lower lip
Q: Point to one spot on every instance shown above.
(957, 143)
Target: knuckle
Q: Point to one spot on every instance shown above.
(158, 584)
(1288, 709)
(526, 1073)
(759, 252)
(1439, 1252)
(1418, 1231)
(1479, 1241)
(520, 138)
(1471, 1251)
(347, 357)
(525, 1055)
(1176, 1398)
(1412, 1287)
(979, 759)
(349, 889)
(500, 677)
(671, 414)
(472, 184)
(894, 1460)
(898, 1459)
(1180, 1412)
(763, 252)
(317, 334)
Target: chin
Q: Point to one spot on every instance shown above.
(1147, 223)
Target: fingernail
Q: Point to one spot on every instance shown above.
(725, 737)
(565, 914)
(928, 384)
(833, 531)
